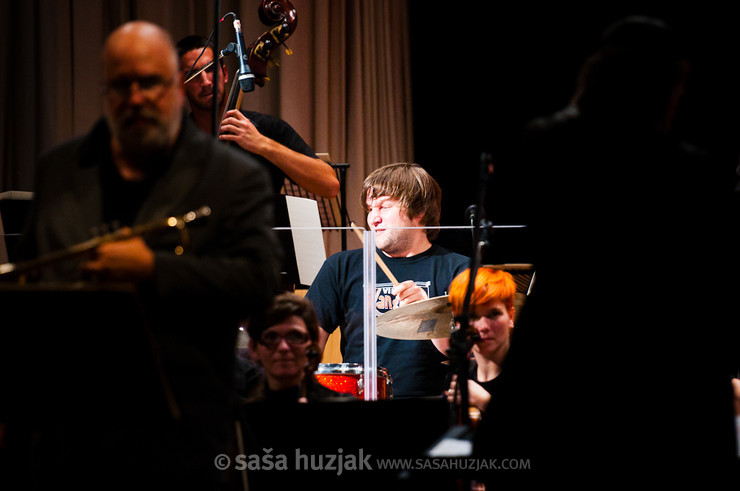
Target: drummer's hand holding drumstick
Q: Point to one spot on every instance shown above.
(408, 292)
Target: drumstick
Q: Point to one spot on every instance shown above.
(377, 256)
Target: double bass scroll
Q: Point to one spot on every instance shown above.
(281, 15)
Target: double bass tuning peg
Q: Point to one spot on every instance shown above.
(276, 62)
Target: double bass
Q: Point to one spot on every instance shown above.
(282, 18)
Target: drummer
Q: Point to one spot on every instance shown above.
(396, 195)
(492, 316)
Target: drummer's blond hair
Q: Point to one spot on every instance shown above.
(409, 183)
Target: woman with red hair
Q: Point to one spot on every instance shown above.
(491, 314)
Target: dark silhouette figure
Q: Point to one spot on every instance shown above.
(624, 346)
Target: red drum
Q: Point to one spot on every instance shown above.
(348, 378)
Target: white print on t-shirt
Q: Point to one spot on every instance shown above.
(385, 300)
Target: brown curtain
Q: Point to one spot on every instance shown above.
(345, 89)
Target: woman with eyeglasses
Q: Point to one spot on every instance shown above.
(283, 343)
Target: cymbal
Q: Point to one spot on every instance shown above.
(427, 319)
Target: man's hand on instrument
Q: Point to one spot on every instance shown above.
(122, 260)
(409, 292)
(238, 128)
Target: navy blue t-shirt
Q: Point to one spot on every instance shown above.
(415, 367)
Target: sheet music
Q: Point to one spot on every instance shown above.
(308, 240)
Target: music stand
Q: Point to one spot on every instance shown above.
(79, 377)
(303, 245)
(14, 207)
(397, 430)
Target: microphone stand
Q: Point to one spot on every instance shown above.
(215, 121)
(462, 339)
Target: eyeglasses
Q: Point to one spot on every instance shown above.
(272, 339)
(151, 87)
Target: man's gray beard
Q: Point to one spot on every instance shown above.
(150, 143)
(140, 149)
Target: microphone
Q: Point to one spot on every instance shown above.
(246, 77)
(230, 48)
(473, 213)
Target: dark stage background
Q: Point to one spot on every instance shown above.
(482, 70)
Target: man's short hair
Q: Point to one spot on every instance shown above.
(410, 184)
(194, 41)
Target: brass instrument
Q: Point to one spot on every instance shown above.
(90, 245)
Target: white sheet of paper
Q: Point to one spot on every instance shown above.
(307, 237)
